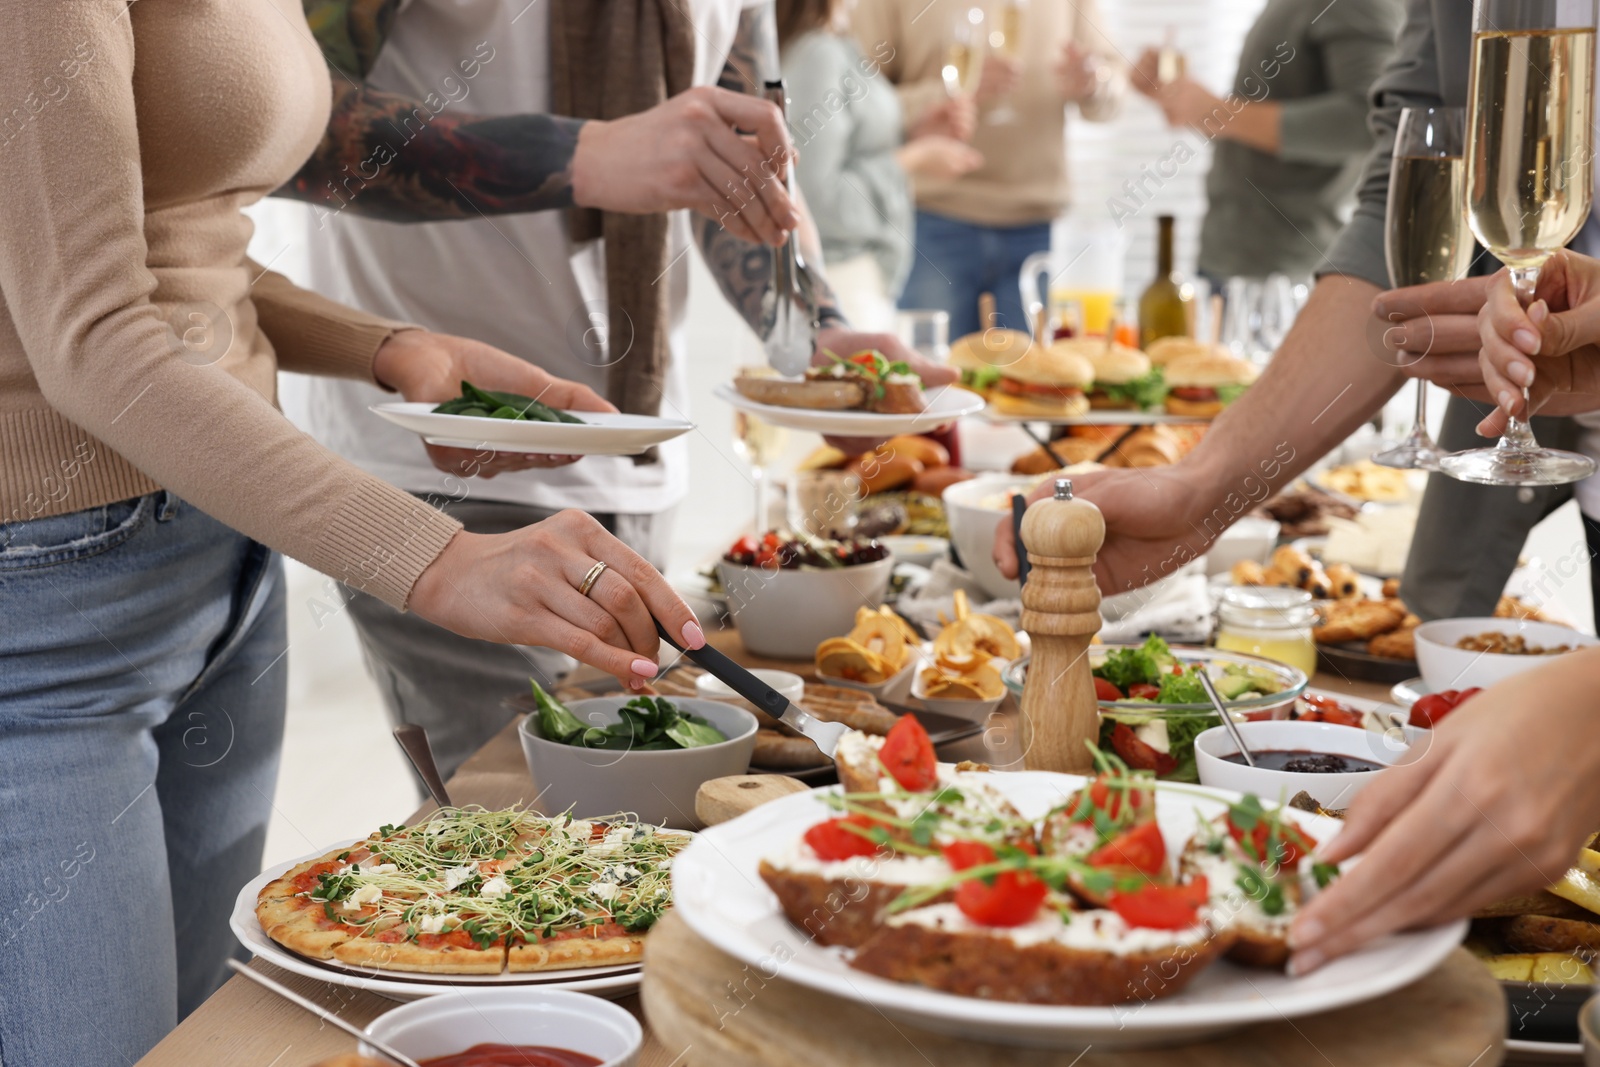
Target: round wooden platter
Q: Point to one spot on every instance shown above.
(725, 1014)
(722, 1013)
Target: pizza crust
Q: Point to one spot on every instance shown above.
(569, 953)
(410, 956)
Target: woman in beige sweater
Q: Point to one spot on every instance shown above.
(146, 480)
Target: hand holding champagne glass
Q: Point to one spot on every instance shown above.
(1426, 237)
(963, 63)
(1529, 181)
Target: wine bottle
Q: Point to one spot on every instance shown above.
(1164, 306)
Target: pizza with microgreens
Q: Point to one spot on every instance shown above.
(928, 875)
(470, 891)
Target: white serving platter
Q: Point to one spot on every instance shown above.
(717, 889)
(946, 404)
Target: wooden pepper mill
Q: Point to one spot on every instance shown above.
(1061, 613)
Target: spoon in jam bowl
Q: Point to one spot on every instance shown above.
(326, 1016)
(1227, 720)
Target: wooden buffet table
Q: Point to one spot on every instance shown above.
(243, 1025)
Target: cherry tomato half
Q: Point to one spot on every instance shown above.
(1137, 754)
(1104, 690)
(1431, 707)
(1143, 691)
(1103, 798)
(964, 854)
(908, 754)
(1162, 907)
(1294, 842)
(1141, 849)
(1012, 899)
(831, 841)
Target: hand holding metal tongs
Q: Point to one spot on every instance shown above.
(789, 308)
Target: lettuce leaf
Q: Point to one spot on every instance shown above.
(1147, 391)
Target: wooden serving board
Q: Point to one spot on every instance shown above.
(726, 1014)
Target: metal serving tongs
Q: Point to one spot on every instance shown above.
(789, 307)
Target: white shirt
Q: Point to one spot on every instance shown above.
(513, 281)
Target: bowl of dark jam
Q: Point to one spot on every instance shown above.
(1329, 762)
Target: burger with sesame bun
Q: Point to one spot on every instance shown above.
(982, 357)
(1167, 349)
(1124, 380)
(1200, 385)
(1045, 383)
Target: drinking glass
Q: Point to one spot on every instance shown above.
(1425, 236)
(1529, 181)
(758, 443)
(963, 62)
(1005, 38)
(926, 331)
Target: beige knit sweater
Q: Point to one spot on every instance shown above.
(131, 135)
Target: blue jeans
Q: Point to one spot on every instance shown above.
(142, 689)
(956, 261)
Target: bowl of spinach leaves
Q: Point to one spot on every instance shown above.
(644, 754)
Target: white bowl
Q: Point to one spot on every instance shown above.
(1331, 790)
(1444, 666)
(973, 710)
(972, 526)
(892, 688)
(786, 614)
(657, 787)
(1250, 538)
(914, 548)
(454, 1022)
(792, 686)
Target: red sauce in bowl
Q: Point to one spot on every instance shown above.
(514, 1056)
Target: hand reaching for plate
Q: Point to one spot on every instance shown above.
(430, 367)
(1497, 801)
(843, 342)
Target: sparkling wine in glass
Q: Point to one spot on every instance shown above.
(758, 443)
(1529, 181)
(1005, 38)
(1426, 238)
(963, 61)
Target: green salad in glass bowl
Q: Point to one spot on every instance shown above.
(1152, 705)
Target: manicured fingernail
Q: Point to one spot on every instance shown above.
(692, 635)
(635, 684)
(1305, 932)
(1538, 312)
(1520, 373)
(1504, 400)
(1302, 963)
(643, 668)
(1526, 340)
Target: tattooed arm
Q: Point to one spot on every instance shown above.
(744, 270)
(406, 160)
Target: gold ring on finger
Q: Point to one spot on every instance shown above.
(593, 576)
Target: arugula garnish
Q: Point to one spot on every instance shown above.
(646, 724)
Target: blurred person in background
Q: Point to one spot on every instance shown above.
(855, 154)
(523, 170)
(1288, 139)
(974, 230)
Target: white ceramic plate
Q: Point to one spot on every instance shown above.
(614, 981)
(600, 434)
(946, 403)
(718, 891)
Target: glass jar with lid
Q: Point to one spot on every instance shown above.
(1269, 621)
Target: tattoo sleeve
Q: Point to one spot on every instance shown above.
(744, 270)
(393, 157)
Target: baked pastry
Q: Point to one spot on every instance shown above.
(1357, 620)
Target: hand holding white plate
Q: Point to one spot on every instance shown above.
(601, 433)
(946, 404)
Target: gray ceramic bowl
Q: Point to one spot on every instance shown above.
(658, 787)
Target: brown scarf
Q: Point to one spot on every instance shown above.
(608, 59)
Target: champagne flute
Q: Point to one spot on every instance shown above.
(1529, 181)
(759, 444)
(1005, 38)
(1426, 237)
(963, 63)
